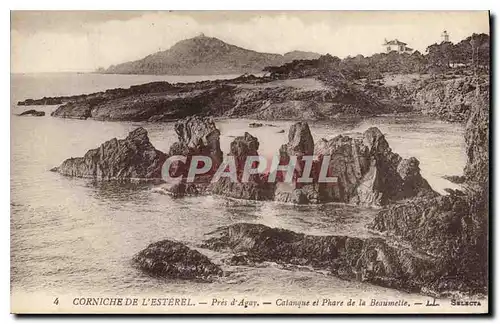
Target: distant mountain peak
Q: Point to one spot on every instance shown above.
(204, 55)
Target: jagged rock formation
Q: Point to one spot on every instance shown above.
(300, 144)
(368, 172)
(32, 112)
(175, 260)
(300, 141)
(132, 158)
(453, 227)
(197, 136)
(371, 260)
(257, 187)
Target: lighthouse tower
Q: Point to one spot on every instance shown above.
(445, 36)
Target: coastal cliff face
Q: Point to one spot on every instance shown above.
(446, 97)
(131, 158)
(453, 227)
(477, 142)
(450, 100)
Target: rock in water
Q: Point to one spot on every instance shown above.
(133, 158)
(368, 172)
(257, 187)
(32, 112)
(175, 260)
(197, 136)
(371, 260)
(413, 184)
(300, 140)
(300, 144)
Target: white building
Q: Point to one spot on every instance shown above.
(396, 45)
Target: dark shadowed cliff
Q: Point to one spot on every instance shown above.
(452, 227)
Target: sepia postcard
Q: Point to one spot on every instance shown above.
(250, 162)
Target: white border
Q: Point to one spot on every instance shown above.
(200, 5)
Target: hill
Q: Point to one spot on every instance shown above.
(203, 55)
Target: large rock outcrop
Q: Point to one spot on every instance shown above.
(370, 260)
(300, 141)
(197, 136)
(257, 187)
(175, 260)
(453, 228)
(367, 171)
(300, 144)
(132, 158)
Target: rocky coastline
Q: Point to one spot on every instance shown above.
(247, 96)
(446, 97)
(434, 245)
(423, 242)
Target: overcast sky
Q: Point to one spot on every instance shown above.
(85, 40)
